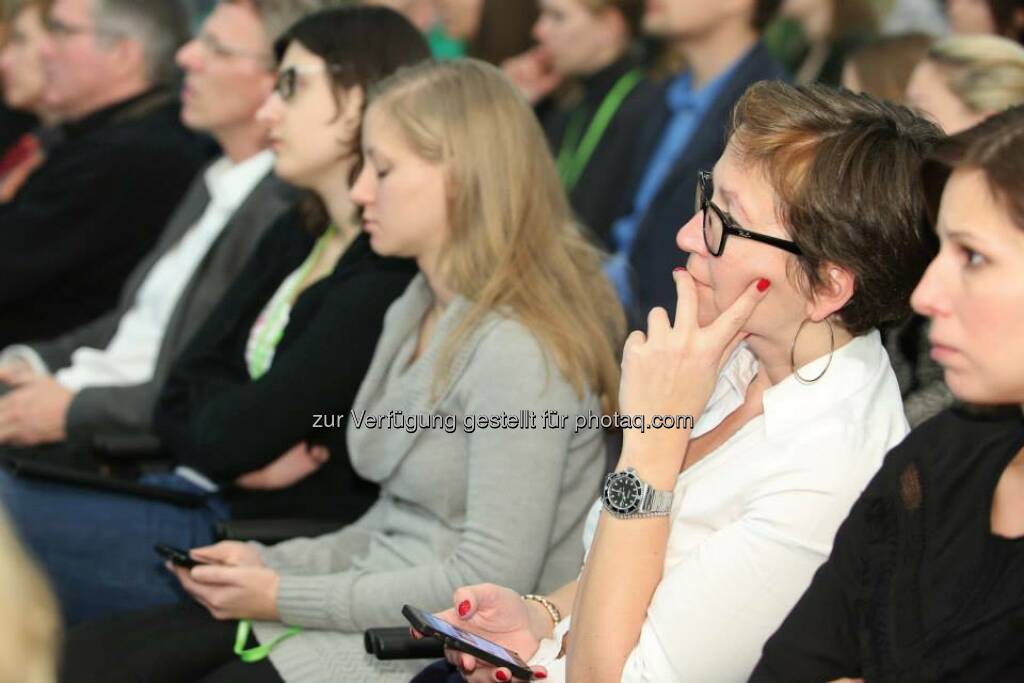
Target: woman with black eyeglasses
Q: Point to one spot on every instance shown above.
(807, 236)
(291, 339)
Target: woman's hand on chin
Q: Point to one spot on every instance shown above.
(672, 369)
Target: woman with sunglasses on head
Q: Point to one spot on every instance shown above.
(707, 539)
(508, 316)
(292, 338)
(926, 577)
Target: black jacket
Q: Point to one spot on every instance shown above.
(598, 198)
(654, 254)
(917, 587)
(213, 418)
(83, 219)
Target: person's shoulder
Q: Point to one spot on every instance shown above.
(955, 438)
(505, 347)
(154, 134)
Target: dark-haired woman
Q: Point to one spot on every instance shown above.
(291, 339)
(926, 577)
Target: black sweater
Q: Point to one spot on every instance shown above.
(213, 418)
(82, 220)
(917, 587)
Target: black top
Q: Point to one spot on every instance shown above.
(917, 587)
(14, 124)
(597, 197)
(213, 418)
(82, 220)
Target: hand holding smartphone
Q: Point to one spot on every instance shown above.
(458, 639)
(176, 556)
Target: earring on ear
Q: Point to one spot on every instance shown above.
(831, 351)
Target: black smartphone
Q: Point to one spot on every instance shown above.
(457, 639)
(176, 556)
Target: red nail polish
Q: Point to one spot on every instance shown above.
(763, 284)
(501, 675)
(539, 674)
(679, 268)
(464, 608)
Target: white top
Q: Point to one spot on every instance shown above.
(754, 519)
(131, 355)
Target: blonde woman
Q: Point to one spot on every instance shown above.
(966, 79)
(28, 612)
(470, 414)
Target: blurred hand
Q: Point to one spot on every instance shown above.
(16, 372)
(533, 73)
(502, 616)
(34, 412)
(289, 469)
(232, 592)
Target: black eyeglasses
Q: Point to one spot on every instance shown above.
(718, 224)
(288, 78)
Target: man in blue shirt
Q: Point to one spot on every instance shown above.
(684, 134)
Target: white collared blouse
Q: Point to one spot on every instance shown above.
(754, 519)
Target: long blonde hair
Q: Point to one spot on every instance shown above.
(512, 245)
(28, 648)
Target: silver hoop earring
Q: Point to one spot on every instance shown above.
(792, 353)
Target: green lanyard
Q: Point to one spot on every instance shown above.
(577, 146)
(260, 652)
(272, 332)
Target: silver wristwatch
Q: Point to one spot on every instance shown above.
(627, 496)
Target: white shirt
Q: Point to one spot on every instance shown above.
(754, 519)
(131, 355)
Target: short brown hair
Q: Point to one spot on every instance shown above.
(846, 169)
(884, 65)
(996, 147)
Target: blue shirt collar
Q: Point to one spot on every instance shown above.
(680, 95)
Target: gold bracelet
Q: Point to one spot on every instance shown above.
(552, 611)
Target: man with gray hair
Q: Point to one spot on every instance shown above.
(102, 379)
(84, 218)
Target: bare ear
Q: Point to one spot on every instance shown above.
(835, 290)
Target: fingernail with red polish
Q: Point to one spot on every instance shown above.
(464, 608)
(763, 284)
(501, 675)
(539, 674)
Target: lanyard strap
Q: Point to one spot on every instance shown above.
(578, 147)
(260, 652)
(270, 336)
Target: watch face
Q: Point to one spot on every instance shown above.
(622, 492)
